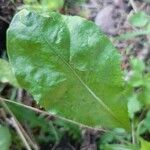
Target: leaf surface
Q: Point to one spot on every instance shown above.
(139, 19)
(145, 145)
(69, 67)
(133, 106)
(5, 138)
(6, 73)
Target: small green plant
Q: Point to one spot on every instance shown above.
(139, 19)
(140, 22)
(74, 71)
(70, 68)
(6, 74)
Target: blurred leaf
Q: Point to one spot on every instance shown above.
(5, 138)
(73, 3)
(138, 67)
(116, 134)
(148, 27)
(52, 4)
(141, 80)
(30, 1)
(73, 130)
(74, 78)
(147, 121)
(6, 74)
(139, 19)
(44, 5)
(144, 95)
(108, 140)
(118, 147)
(147, 1)
(145, 145)
(34, 120)
(133, 34)
(133, 106)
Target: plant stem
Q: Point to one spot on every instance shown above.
(13, 94)
(33, 144)
(46, 113)
(133, 5)
(138, 130)
(3, 19)
(15, 124)
(133, 132)
(20, 134)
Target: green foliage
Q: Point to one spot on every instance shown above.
(139, 19)
(137, 76)
(53, 4)
(30, 1)
(71, 3)
(144, 94)
(133, 34)
(118, 147)
(133, 106)
(5, 138)
(69, 67)
(146, 121)
(145, 145)
(144, 125)
(44, 5)
(108, 140)
(34, 119)
(50, 130)
(6, 74)
(116, 134)
(140, 79)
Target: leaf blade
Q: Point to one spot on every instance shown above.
(6, 73)
(5, 138)
(67, 70)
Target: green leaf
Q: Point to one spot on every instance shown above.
(117, 134)
(139, 19)
(133, 106)
(69, 67)
(44, 5)
(137, 65)
(53, 4)
(141, 80)
(118, 147)
(116, 139)
(147, 121)
(144, 95)
(34, 120)
(5, 138)
(133, 34)
(145, 145)
(30, 1)
(138, 68)
(6, 74)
